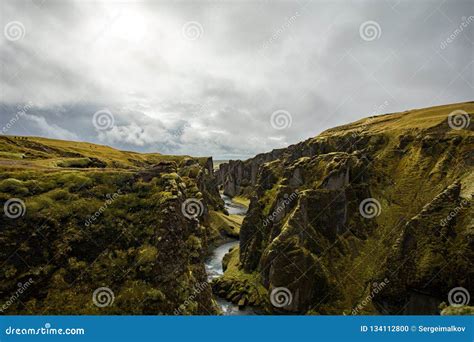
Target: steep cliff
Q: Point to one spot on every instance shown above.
(239, 177)
(374, 216)
(87, 229)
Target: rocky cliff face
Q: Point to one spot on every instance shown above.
(432, 255)
(356, 219)
(239, 177)
(128, 238)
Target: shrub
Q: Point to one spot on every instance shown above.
(147, 254)
(59, 195)
(74, 181)
(13, 186)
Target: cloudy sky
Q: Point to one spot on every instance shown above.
(225, 78)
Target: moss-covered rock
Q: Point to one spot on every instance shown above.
(84, 230)
(386, 197)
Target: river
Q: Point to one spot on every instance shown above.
(214, 262)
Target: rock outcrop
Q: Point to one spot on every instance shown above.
(239, 177)
(124, 239)
(428, 260)
(334, 217)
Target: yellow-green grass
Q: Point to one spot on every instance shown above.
(241, 200)
(52, 153)
(413, 119)
(234, 272)
(227, 225)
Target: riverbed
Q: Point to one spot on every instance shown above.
(214, 262)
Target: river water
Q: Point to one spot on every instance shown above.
(214, 262)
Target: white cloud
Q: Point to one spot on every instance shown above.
(215, 95)
(50, 130)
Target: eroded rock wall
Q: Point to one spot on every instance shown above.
(326, 214)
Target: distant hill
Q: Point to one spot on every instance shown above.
(42, 152)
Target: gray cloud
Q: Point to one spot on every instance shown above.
(215, 95)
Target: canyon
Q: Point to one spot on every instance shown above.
(333, 217)
(373, 217)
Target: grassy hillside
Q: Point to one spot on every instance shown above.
(18, 151)
(359, 205)
(79, 217)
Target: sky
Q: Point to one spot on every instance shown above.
(227, 79)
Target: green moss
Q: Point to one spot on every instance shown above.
(10, 155)
(456, 311)
(79, 162)
(402, 160)
(240, 287)
(241, 200)
(59, 195)
(111, 228)
(194, 244)
(171, 176)
(13, 186)
(74, 181)
(147, 254)
(223, 225)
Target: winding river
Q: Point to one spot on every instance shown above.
(214, 262)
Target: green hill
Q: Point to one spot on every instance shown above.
(79, 217)
(366, 218)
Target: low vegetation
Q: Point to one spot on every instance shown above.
(94, 217)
